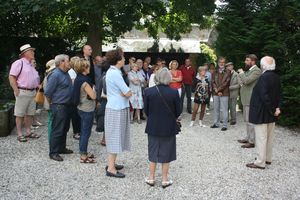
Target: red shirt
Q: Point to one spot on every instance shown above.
(188, 74)
(177, 74)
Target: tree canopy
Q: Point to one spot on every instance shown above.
(265, 27)
(100, 20)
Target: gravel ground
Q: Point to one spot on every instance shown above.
(210, 165)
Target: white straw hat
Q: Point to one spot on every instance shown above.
(24, 48)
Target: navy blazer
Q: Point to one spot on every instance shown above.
(265, 99)
(160, 121)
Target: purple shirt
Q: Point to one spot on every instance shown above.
(28, 78)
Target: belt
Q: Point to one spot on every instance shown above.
(61, 104)
(21, 88)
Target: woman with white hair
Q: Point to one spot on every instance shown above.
(162, 106)
(136, 80)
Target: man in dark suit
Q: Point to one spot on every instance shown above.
(264, 109)
(87, 55)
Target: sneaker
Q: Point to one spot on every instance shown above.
(200, 123)
(192, 123)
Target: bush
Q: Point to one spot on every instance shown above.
(5, 90)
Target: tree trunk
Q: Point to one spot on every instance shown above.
(95, 31)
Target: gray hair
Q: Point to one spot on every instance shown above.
(267, 63)
(60, 58)
(163, 76)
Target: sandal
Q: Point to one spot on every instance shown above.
(90, 155)
(103, 143)
(150, 182)
(166, 184)
(32, 136)
(87, 160)
(21, 139)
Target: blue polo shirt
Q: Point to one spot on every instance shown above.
(115, 85)
(59, 87)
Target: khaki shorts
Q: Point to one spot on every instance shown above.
(25, 104)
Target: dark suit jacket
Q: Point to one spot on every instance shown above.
(265, 98)
(160, 121)
(91, 75)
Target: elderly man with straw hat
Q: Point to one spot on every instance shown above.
(24, 79)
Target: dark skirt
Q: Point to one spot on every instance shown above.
(161, 149)
(201, 101)
(100, 114)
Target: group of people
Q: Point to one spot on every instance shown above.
(83, 90)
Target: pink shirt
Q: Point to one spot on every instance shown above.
(28, 78)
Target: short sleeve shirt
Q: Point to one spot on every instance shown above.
(27, 76)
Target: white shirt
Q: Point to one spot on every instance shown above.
(72, 74)
(151, 80)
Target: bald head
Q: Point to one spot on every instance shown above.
(87, 50)
(267, 63)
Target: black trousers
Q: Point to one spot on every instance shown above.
(75, 118)
(187, 90)
(60, 127)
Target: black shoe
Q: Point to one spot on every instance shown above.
(116, 175)
(56, 157)
(118, 167)
(232, 123)
(214, 126)
(224, 129)
(67, 151)
(143, 118)
(190, 112)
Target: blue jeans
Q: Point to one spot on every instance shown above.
(86, 124)
(60, 127)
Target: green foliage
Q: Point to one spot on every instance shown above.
(209, 53)
(5, 89)
(291, 94)
(100, 20)
(265, 28)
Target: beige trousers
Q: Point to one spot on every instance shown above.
(249, 127)
(264, 134)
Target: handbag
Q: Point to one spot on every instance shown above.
(39, 97)
(178, 123)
